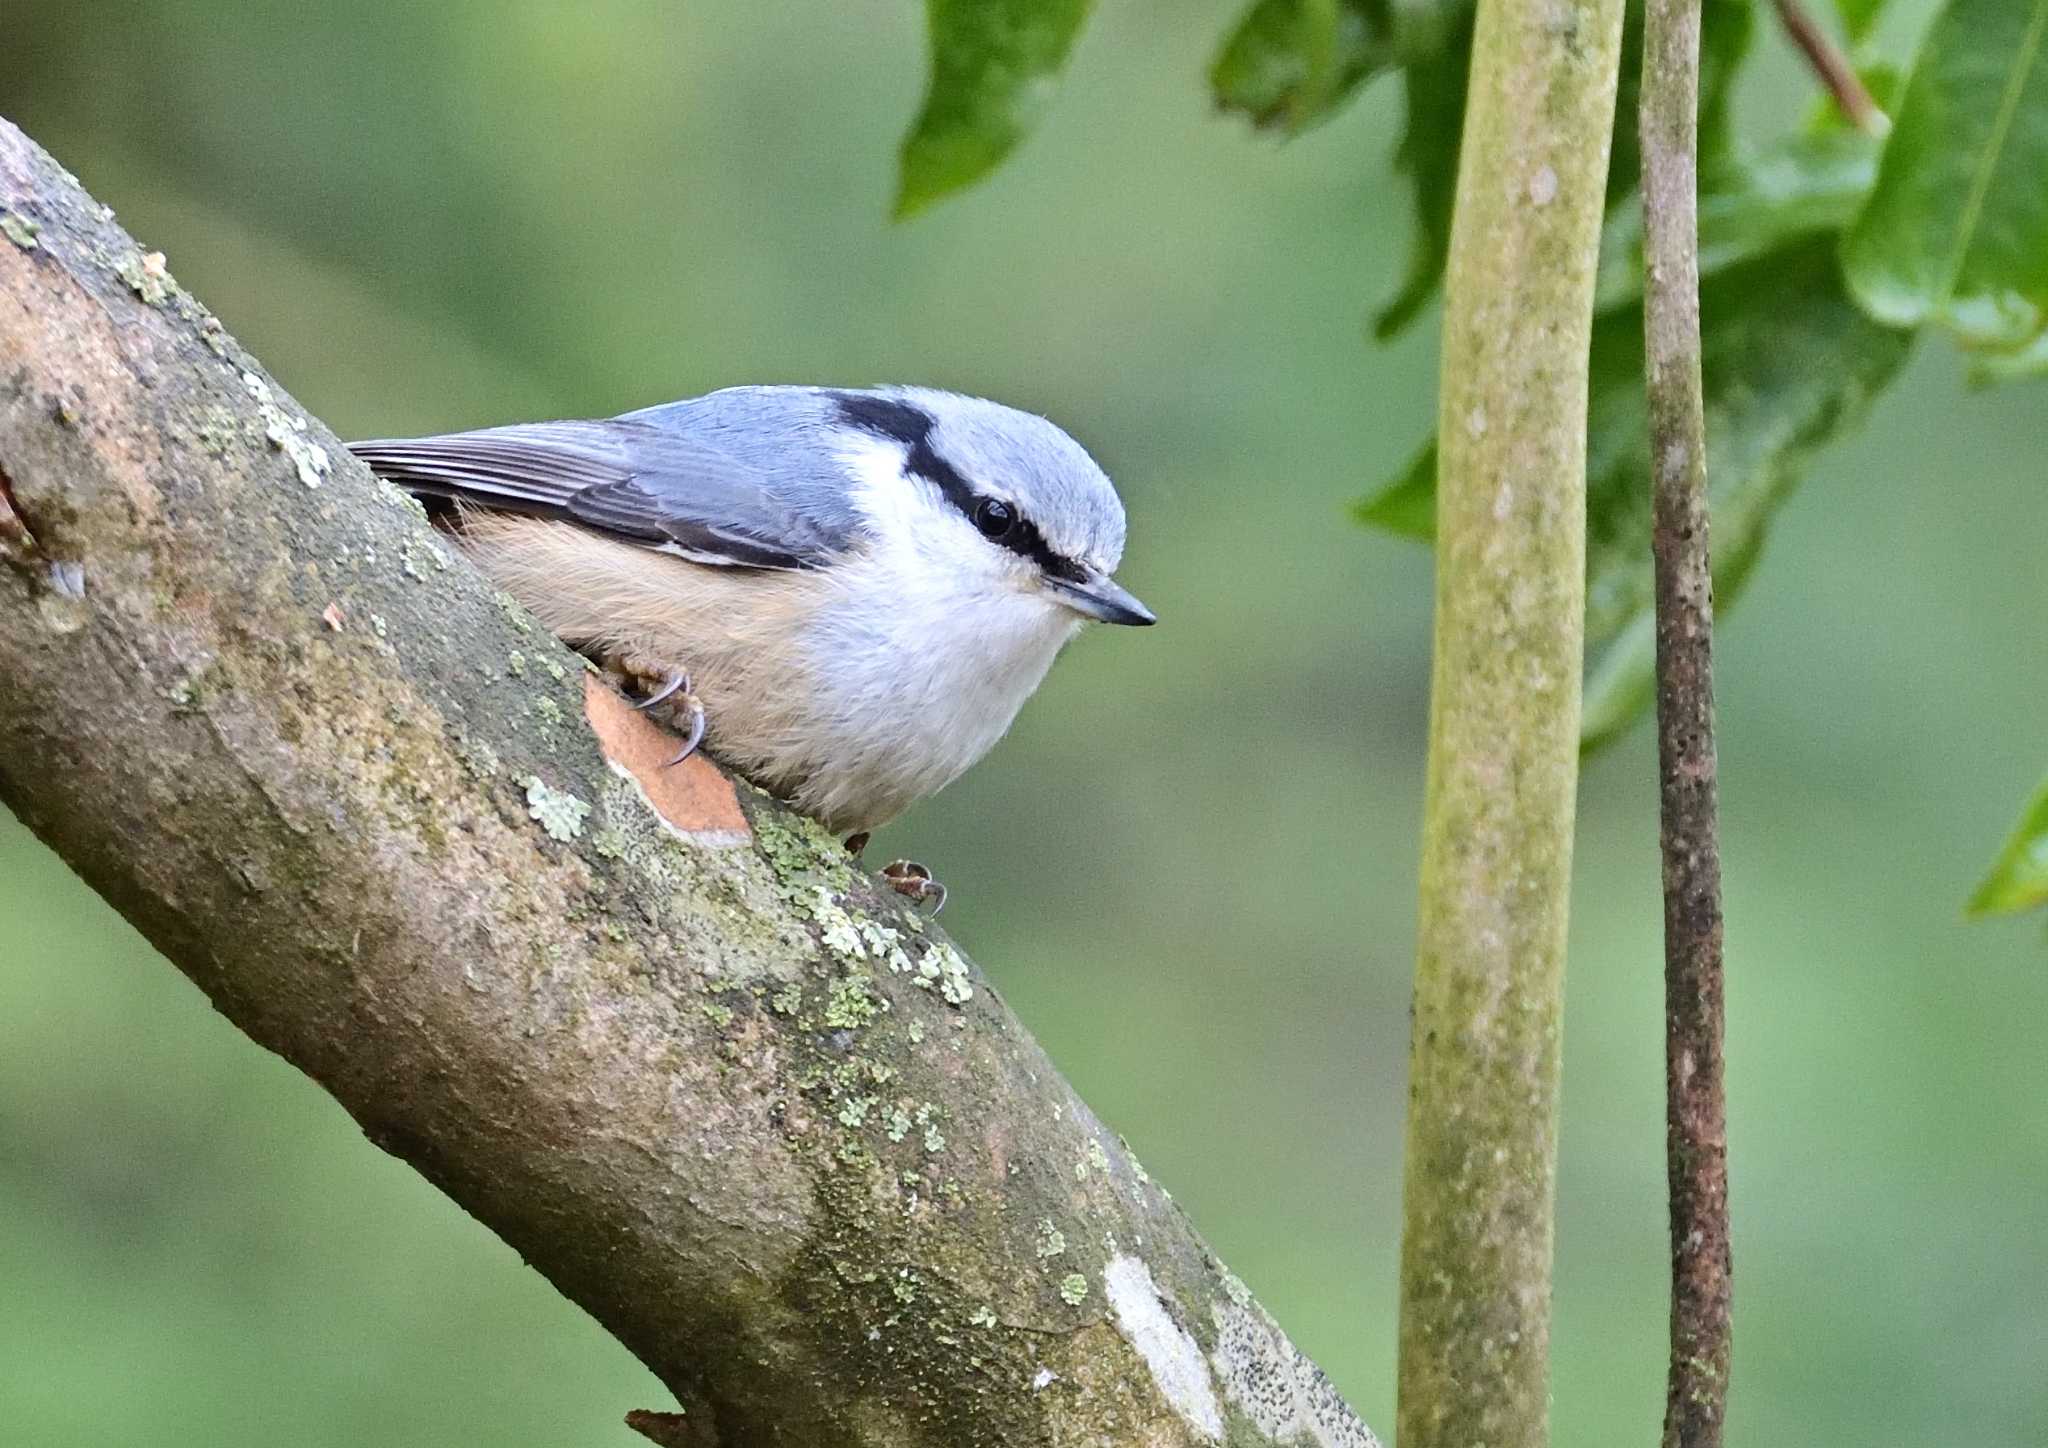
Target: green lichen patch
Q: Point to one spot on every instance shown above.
(560, 813)
(287, 433)
(942, 969)
(20, 230)
(145, 275)
(1073, 1289)
(934, 1139)
(1094, 1159)
(802, 855)
(1051, 1240)
(852, 1003)
(479, 760)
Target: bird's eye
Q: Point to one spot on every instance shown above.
(994, 517)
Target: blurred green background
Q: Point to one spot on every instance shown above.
(1191, 867)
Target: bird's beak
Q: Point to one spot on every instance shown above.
(1098, 596)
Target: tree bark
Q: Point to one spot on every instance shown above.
(761, 1121)
(1480, 1184)
(1696, 1111)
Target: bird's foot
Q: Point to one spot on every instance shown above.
(671, 687)
(907, 877)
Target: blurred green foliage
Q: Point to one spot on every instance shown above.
(1191, 866)
(1956, 231)
(994, 65)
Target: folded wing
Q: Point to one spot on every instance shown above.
(633, 479)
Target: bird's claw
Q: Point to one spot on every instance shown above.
(678, 682)
(676, 686)
(696, 734)
(907, 877)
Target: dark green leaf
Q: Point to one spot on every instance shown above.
(1436, 106)
(1957, 230)
(1406, 506)
(1858, 16)
(1291, 63)
(1424, 28)
(2019, 877)
(1725, 29)
(994, 66)
(1811, 182)
(1789, 363)
(1428, 155)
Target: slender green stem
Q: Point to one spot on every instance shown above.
(1696, 1122)
(1504, 724)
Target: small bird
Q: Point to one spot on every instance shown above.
(846, 595)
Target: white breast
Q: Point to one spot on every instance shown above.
(916, 680)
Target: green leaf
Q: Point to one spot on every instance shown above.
(1789, 363)
(1435, 118)
(2013, 366)
(1957, 230)
(2019, 877)
(1288, 64)
(1725, 31)
(1428, 156)
(1859, 17)
(1425, 28)
(1407, 506)
(1812, 182)
(1726, 28)
(995, 64)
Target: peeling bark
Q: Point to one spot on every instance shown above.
(659, 1034)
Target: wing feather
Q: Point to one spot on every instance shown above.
(636, 479)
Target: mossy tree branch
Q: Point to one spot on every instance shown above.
(767, 1127)
(1504, 725)
(1696, 1128)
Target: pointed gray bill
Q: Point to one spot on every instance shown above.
(1100, 597)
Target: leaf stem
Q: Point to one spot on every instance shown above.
(1504, 721)
(1833, 70)
(1696, 1114)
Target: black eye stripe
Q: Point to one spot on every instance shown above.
(912, 426)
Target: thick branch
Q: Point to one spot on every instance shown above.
(768, 1128)
(1696, 1120)
(1504, 726)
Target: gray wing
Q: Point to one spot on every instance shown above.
(640, 478)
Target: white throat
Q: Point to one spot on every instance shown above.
(928, 646)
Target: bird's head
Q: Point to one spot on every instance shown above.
(990, 494)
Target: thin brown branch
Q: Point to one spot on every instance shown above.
(1696, 1117)
(1832, 69)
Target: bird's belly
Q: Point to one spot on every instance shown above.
(865, 733)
